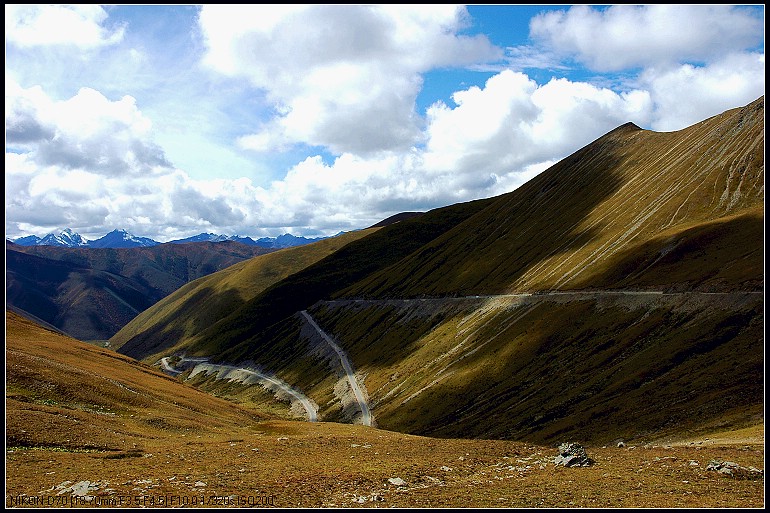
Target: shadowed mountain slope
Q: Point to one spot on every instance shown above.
(203, 302)
(91, 293)
(635, 268)
(304, 285)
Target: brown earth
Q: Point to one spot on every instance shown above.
(75, 412)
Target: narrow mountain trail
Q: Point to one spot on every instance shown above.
(487, 309)
(231, 372)
(492, 309)
(366, 418)
(543, 295)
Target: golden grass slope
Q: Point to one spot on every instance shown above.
(301, 289)
(625, 204)
(63, 394)
(131, 437)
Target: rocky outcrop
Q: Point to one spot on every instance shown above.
(572, 455)
(734, 470)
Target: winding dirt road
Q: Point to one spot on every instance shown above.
(366, 415)
(231, 371)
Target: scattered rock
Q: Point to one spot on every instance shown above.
(734, 470)
(396, 481)
(446, 469)
(199, 484)
(79, 489)
(572, 455)
(366, 498)
(621, 444)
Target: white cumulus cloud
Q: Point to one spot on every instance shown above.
(627, 36)
(87, 131)
(29, 25)
(688, 94)
(512, 123)
(342, 77)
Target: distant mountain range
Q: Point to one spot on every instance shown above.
(123, 239)
(286, 240)
(91, 292)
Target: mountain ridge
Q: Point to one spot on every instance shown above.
(120, 238)
(667, 230)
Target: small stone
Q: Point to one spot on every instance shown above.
(396, 481)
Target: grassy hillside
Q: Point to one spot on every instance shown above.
(63, 394)
(660, 236)
(165, 267)
(203, 302)
(339, 267)
(615, 213)
(87, 303)
(87, 427)
(593, 367)
(92, 293)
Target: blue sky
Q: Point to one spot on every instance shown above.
(169, 121)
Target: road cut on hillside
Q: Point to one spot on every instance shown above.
(231, 372)
(366, 415)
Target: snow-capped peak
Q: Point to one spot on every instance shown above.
(65, 237)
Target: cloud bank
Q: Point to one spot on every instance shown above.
(342, 81)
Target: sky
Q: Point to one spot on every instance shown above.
(260, 120)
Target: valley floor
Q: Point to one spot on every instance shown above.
(297, 464)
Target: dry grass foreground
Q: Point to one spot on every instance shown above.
(87, 427)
